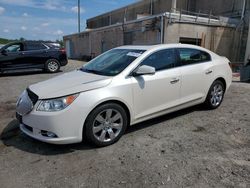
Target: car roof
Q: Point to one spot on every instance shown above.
(24, 42)
(160, 46)
(136, 47)
(33, 42)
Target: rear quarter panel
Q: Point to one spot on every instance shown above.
(58, 55)
(223, 70)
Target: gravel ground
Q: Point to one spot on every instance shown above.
(189, 148)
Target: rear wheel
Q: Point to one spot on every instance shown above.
(106, 124)
(215, 95)
(52, 66)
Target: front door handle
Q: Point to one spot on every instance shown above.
(209, 71)
(174, 80)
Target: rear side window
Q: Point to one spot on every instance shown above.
(35, 46)
(188, 56)
(161, 60)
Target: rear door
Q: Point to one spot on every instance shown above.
(35, 54)
(197, 73)
(156, 93)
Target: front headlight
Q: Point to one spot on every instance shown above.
(56, 104)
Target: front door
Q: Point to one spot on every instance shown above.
(156, 93)
(11, 56)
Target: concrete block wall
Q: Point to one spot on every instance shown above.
(103, 40)
(141, 35)
(218, 39)
(93, 43)
(130, 12)
(215, 6)
(222, 40)
(79, 44)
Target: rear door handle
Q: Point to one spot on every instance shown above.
(174, 80)
(209, 71)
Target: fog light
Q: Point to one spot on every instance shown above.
(48, 134)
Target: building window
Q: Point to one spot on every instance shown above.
(193, 41)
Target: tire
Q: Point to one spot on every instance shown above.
(52, 66)
(105, 124)
(215, 95)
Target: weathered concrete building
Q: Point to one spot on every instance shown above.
(219, 25)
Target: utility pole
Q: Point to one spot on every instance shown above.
(79, 17)
(243, 10)
(174, 2)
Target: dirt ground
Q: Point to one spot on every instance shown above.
(190, 148)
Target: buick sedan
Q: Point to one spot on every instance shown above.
(119, 88)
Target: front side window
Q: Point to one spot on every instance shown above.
(161, 60)
(14, 48)
(112, 62)
(190, 56)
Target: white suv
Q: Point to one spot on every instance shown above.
(122, 87)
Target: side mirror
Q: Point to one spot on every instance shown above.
(144, 70)
(4, 52)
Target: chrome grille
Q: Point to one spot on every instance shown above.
(24, 104)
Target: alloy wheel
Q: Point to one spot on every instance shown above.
(107, 125)
(216, 95)
(53, 66)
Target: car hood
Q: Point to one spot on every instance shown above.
(69, 83)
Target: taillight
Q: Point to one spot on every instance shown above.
(63, 51)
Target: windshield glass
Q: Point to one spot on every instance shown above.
(112, 62)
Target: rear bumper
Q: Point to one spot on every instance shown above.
(64, 62)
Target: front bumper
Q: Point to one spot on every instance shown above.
(66, 125)
(36, 134)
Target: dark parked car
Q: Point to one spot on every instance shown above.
(245, 71)
(32, 55)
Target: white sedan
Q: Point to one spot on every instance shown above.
(122, 87)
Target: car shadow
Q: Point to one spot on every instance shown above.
(25, 73)
(12, 136)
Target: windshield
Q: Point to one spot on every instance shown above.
(112, 62)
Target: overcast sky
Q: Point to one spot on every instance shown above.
(49, 19)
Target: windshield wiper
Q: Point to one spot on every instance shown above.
(91, 71)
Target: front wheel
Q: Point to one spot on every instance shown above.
(106, 124)
(215, 95)
(52, 66)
